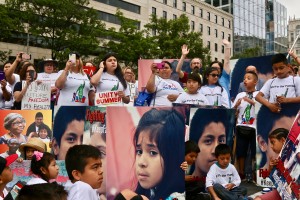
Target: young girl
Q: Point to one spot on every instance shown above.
(27, 149)
(212, 90)
(43, 167)
(277, 139)
(157, 162)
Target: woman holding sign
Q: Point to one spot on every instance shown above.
(73, 83)
(27, 74)
(109, 82)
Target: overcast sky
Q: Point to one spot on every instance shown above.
(292, 7)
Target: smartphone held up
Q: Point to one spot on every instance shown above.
(31, 74)
(25, 56)
(72, 58)
(2, 75)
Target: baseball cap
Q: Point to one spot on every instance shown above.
(5, 162)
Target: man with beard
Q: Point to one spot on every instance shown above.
(195, 65)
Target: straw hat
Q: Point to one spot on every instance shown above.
(35, 143)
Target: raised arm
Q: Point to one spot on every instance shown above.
(227, 53)
(6, 94)
(185, 51)
(151, 82)
(96, 77)
(10, 71)
(294, 56)
(61, 80)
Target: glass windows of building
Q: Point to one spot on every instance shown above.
(208, 30)
(192, 25)
(208, 16)
(216, 33)
(193, 9)
(216, 19)
(223, 22)
(122, 5)
(223, 35)
(166, 2)
(164, 14)
(175, 3)
(208, 45)
(223, 49)
(174, 16)
(229, 38)
(184, 6)
(200, 28)
(201, 13)
(153, 10)
(216, 47)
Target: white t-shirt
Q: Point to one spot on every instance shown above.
(75, 91)
(34, 181)
(215, 95)
(222, 176)
(288, 87)
(247, 115)
(9, 104)
(110, 82)
(47, 78)
(165, 87)
(81, 190)
(198, 99)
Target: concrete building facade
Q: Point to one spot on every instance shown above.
(215, 24)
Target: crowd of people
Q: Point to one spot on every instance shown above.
(206, 155)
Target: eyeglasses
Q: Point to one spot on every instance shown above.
(30, 70)
(17, 123)
(214, 75)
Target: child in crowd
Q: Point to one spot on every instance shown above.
(193, 186)
(282, 89)
(192, 96)
(27, 149)
(222, 179)
(277, 139)
(212, 90)
(6, 174)
(246, 124)
(84, 167)
(44, 168)
(43, 191)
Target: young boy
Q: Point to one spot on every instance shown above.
(192, 96)
(246, 121)
(282, 89)
(193, 186)
(222, 180)
(6, 174)
(84, 169)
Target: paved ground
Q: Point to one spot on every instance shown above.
(253, 189)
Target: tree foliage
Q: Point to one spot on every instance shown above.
(131, 43)
(60, 24)
(172, 34)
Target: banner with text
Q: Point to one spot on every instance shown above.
(37, 96)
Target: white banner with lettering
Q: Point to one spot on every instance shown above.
(37, 96)
(110, 98)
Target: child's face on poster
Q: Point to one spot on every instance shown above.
(149, 163)
(73, 135)
(213, 134)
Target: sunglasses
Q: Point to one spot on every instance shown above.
(214, 75)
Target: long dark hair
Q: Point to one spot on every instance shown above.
(208, 71)
(166, 129)
(118, 70)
